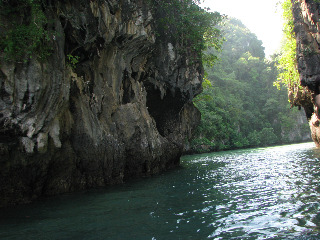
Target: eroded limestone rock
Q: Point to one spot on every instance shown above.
(124, 110)
(307, 30)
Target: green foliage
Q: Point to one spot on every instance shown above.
(206, 82)
(193, 27)
(23, 30)
(254, 138)
(267, 136)
(287, 64)
(73, 60)
(242, 108)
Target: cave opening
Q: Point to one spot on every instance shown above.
(164, 110)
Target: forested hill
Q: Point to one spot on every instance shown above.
(242, 108)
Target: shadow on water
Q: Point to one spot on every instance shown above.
(265, 193)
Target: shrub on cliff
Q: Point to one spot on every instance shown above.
(287, 61)
(23, 30)
(194, 27)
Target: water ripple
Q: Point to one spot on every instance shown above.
(265, 193)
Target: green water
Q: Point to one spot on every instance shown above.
(265, 193)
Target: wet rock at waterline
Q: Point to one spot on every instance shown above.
(122, 109)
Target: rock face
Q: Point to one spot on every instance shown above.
(123, 110)
(307, 30)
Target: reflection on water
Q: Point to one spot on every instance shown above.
(266, 193)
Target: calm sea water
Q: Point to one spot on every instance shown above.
(265, 193)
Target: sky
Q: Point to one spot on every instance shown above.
(262, 17)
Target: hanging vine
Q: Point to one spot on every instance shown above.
(287, 61)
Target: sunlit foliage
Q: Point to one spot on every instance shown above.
(287, 63)
(243, 108)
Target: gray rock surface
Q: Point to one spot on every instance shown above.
(307, 30)
(123, 111)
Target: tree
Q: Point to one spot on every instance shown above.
(243, 108)
(193, 27)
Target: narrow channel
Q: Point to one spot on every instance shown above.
(262, 193)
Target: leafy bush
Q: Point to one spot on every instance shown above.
(73, 60)
(24, 34)
(267, 136)
(254, 138)
(194, 27)
(287, 61)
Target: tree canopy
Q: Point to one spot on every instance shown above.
(243, 108)
(189, 24)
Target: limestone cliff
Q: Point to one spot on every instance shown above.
(307, 30)
(123, 110)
